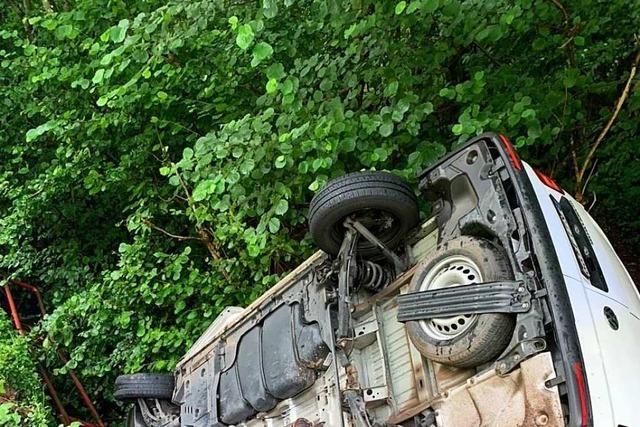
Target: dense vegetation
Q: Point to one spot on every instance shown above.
(22, 398)
(157, 157)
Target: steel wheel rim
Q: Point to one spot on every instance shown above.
(456, 270)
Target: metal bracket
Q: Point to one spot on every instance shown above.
(398, 263)
(527, 340)
(158, 416)
(346, 257)
(356, 407)
(523, 350)
(553, 382)
(479, 298)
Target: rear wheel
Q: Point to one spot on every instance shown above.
(382, 202)
(145, 386)
(465, 340)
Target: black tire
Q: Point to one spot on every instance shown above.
(366, 194)
(487, 335)
(144, 386)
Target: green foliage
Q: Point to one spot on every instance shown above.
(22, 401)
(158, 156)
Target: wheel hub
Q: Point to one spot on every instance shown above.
(452, 271)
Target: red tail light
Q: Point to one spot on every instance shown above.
(548, 181)
(582, 393)
(511, 152)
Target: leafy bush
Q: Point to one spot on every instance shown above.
(22, 401)
(158, 156)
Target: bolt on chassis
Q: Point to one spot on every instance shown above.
(479, 316)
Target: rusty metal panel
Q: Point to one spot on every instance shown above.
(519, 399)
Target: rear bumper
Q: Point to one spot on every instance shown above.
(610, 356)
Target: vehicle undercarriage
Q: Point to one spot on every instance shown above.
(395, 323)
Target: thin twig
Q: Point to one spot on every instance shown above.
(574, 158)
(586, 181)
(185, 189)
(566, 43)
(623, 97)
(593, 203)
(165, 232)
(559, 5)
(487, 54)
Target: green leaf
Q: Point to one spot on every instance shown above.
(287, 86)
(274, 225)
(272, 85)
(261, 51)
(386, 129)
(106, 60)
(245, 36)
(282, 207)
(280, 162)
(275, 71)
(571, 77)
(98, 76)
(447, 92)
(117, 34)
(141, 330)
(203, 189)
(483, 34)
(64, 31)
(413, 6)
(233, 22)
(270, 8)
(32, 134)
(400, 6)
(430, 6)
(427, 108)
(162, 95)
(179, 306)
(247, 166)
(391, 89)
(102, 101)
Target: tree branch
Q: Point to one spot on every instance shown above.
(621, 100)
(580, 181)
(562, 9)
(205, 237)
(166, 233)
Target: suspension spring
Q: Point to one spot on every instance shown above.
(372, 276)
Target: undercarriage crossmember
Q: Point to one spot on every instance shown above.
(478, 298)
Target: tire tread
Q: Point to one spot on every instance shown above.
(143, 385)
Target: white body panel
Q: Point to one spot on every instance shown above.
(610, 356)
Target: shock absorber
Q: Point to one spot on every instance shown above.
(371, 276)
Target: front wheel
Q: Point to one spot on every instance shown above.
(382, 202)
